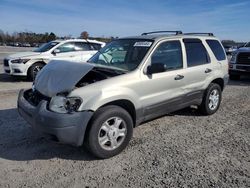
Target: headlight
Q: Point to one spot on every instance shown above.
(233, 58)
(62, 104)
(20, 61)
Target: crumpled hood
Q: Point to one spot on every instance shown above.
(60, 76)
(23, 55)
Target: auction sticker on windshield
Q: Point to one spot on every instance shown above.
(143, 44)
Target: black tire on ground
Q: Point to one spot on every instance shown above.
(234, 77)
(94, 131)
(205, 107)
(34, 69)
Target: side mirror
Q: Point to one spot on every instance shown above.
(55, 51)
(156, 68)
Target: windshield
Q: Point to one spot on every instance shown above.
(248, 45)
(125, 54)
(46, 47)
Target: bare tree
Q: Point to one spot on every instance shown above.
(84, 35)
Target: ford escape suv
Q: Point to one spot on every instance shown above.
(129, 81)
(29, 63)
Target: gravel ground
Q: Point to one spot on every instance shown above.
(183, 149)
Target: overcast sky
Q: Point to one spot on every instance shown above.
(228, 19)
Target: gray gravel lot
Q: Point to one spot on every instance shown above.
(7, 50)
(183, 149)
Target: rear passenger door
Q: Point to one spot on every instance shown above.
(198, 69)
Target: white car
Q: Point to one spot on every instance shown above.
(29, 63)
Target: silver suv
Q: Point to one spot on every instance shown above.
(128, 82)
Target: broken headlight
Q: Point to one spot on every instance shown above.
(62, 104)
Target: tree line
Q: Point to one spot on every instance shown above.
(39, 38)
(26, 37)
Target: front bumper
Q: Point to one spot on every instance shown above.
(239, 69)
(67, 128)
(14, 69)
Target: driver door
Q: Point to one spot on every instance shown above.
(162, 92)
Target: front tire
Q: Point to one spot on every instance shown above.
(111, 129)
(211, 99)
(34, 69)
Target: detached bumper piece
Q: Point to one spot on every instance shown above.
(67, 128)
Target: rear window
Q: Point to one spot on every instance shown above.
(217, 49)
(196, 53)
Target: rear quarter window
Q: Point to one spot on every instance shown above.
(217, 49)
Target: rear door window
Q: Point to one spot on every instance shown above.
(217, 49)
(196, 52)
(95, 46)
(82, 46)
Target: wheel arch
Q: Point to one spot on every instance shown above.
(220, 82)
(126, 105)
(38, 61)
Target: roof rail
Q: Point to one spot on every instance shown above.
(153, 32)
(209, 34)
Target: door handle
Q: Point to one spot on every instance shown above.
(179, 77)
(208, 70)
(72, 56)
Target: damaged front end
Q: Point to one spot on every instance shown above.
(60, 77)
(48, 108)
(57, 79)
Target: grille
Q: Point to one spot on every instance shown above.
(243, 58)
(6, 62)
(34, 97)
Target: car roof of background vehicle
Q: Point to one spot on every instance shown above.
(78, 40)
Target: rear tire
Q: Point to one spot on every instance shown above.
(111, 129)
(211, 99)
(234, 77)
(34, 69)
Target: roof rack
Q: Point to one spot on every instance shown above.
(209, 34)
(153, 32)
